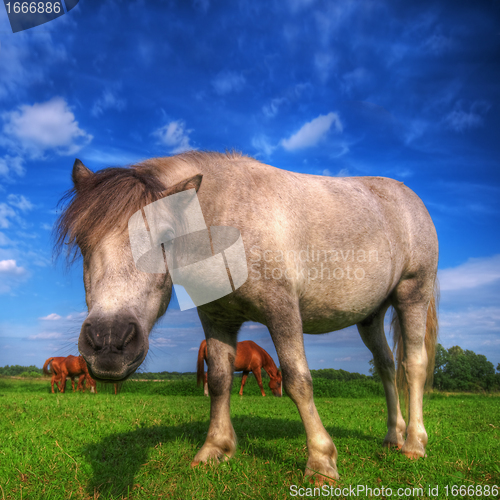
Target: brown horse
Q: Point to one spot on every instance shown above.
(298, 253)
(72, 367)
(249, 358)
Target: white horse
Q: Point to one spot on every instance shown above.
(322, 254)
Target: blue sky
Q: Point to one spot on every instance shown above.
(397, 89)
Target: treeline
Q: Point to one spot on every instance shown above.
(459, 370)
(455, 370)
(21, 371)
(163, 376)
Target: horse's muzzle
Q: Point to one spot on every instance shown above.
(113, 346)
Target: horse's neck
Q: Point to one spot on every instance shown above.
(268, 364)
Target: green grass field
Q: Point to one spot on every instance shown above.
(139, 445)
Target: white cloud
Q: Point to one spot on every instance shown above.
(175, 136)
(9, 267)
(261, 143)
(44, 126)
(460, 120)
(11, 164)
(312, 132)
(296, 5)
(4, 241)
(6, 213)
(271, 110)
(438, 44)
(202, 5)
(19, 201)
(415, 130)
(480, 322)
(77, 316)
(46, 336)
(253, 326)
(343, 172)
(324, 63)
(355, 79)
(471, 274)
(26, 58)
(51, 317)
(228, 81)
(108, 100)
(163, 342)
(111, 156)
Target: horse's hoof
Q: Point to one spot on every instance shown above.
(390, 445)
(321, 472)
(413, 452)
(318, 479)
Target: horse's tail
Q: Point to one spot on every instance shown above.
(431, 333)
(47, 363)
(201, 362)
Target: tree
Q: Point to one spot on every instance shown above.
(459, 370)
(373, 371)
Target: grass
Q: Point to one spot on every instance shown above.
(139, 444)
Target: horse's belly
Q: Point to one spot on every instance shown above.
(333, 304)
(332, 319)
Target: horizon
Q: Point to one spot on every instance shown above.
(328, 90)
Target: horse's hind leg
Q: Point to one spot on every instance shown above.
(285, 327)
(243, 381)
(372, 333)
(80, 386)
(411, 305)
(221, 353)
(205, 384)
(62, 383)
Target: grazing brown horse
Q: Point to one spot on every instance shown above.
(72, 367)
(249, 358)
(321, 253)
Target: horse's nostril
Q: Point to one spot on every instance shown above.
(90, 337)
(130, 334)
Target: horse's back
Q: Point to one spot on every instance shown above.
(338, 244)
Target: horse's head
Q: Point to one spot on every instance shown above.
(275, 384)
(123, 302)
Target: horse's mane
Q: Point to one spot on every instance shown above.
(105, 201)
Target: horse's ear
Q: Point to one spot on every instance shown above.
(80, 174)
(191, 183)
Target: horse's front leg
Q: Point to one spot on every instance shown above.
(285, 326)
(258, 377)
(221, 352)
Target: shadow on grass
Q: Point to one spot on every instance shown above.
(116, 459)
